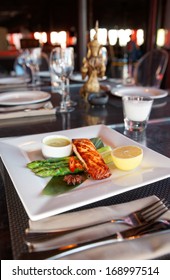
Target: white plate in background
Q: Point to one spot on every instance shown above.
(21, 150)
(154, 93)
(13, 80)
(23, 97)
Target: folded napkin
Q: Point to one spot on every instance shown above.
(44, 108)
(13, 82)
(13, 87)
(142, 248)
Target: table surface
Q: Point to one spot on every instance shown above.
(157, 137)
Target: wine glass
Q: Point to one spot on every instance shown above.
(32, 60)
(70, 56)
(62, 64)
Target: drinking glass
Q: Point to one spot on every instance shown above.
(136, 111)
(62, 64)
(32, 60)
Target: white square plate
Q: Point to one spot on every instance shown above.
(16, 153)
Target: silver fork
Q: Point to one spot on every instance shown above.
(147, 214)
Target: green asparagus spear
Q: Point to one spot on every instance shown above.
(47, 162)
(50, 166)
(57, 172)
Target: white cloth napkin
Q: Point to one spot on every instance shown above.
(143, 248)
(39, 109)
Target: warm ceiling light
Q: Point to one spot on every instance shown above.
(41, 36)
(112, 36)
(127, 33)
(101, 36)
(160, 40)
(37, 35)
(58, 38)
(44, 37)
(62, 37)
(123, 35)
(54, 37)
(140, 37)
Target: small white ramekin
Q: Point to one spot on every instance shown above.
(56, 152)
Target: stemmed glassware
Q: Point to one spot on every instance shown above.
(32, 61)
(62, 64)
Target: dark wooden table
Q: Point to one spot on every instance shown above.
(156, 137)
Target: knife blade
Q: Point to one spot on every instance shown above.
(128, 234)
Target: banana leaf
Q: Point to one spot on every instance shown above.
(97, 141)
(57, 186)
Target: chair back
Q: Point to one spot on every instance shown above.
(150, 68)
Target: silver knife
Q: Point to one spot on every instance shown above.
(132, 233)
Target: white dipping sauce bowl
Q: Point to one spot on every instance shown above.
(56, 146)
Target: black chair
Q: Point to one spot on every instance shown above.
(150, 68)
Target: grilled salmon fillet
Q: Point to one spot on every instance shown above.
(90, 158)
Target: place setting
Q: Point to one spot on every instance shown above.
(16, 104)
(108, 232)
(13, 82)
(51, 228)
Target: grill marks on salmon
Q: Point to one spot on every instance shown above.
(91, 159)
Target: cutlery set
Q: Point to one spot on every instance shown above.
(145, 215)
(141, 223)
(129, 234)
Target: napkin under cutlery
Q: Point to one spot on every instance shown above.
(143, 248)
(38, 109)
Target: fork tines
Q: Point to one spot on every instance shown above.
(155, 210)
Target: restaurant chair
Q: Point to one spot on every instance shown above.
(150, 68)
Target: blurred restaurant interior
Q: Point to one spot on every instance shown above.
(48, 23)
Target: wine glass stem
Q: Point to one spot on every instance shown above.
(64, 94)
(67, 90)
(34, 70)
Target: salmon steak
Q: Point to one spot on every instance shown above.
(91, 159)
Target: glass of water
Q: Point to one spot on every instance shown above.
(136, 110)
